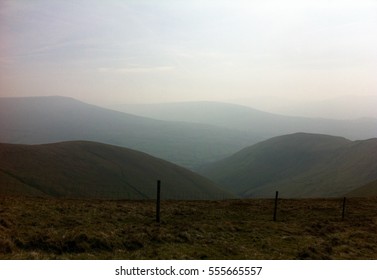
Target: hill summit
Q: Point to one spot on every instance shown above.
(298, 165)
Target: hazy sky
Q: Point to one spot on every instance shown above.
(139, 51)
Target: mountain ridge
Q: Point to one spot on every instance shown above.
(39, 120)
(261, 124)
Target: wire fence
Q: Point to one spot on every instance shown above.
(271, 208)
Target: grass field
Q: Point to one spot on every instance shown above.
(39, 228)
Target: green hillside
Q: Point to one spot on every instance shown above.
(92, 170)
(366, 190)
(298, 165)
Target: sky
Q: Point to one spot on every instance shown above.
(257, 52)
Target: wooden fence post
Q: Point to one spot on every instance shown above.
(344, 208)
(158, 201)
(276, 205)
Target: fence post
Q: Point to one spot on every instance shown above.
(344, 208)
(276, 205)
(158, 201)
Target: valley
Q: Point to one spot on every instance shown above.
(211, 108)
(238, 151)
(79, 182)
(189, 134)
(41, 120)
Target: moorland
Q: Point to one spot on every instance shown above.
(47, 228)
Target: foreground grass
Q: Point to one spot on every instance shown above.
(36, 228)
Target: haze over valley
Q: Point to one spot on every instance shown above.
(260, 124)
(200, 129)
(229, 144)
(253, 95)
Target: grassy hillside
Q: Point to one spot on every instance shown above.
(40, 120)
(366, 190)
(92, 170)
(33, 228)
(298, 165)
(261, 125)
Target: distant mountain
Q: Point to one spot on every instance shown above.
(297, 165)
(344, 107)
(366, 190)
(39, 120)
(261, 125)
(83, 169)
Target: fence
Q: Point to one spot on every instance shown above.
(276, 209)
(334, 208)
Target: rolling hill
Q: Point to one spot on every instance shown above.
(366, 190)
(261, 125)
(297, 165)
(40, 120)
(82, 169)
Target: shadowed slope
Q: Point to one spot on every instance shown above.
(298, 165)
(369, 189)
(93, 170)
